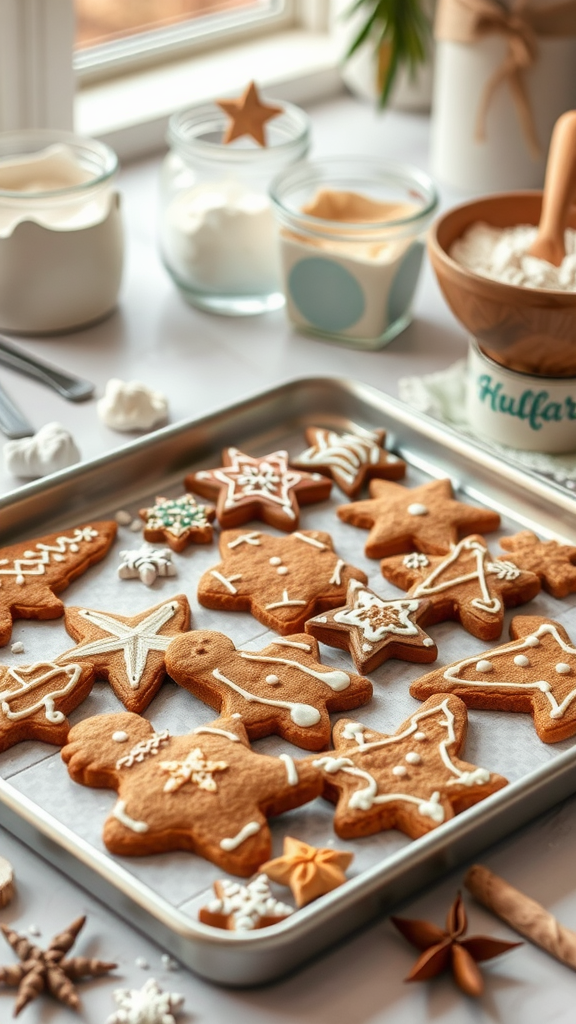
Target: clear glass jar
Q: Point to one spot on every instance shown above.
(218, 236)
(352, 232)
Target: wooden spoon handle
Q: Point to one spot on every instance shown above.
(559, 189)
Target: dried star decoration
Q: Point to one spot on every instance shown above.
(248, 115)
(146, 1005)
(442, 950)
(309, 871)
(49, 970)
(178, 522)
(146, 563)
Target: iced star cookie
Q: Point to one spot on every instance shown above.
(553, 563)
(350, 459)
(283, 689)
(35, 699)
(373, 629)
(128, 651)
(411, 780)
(282, 581)
(535, 673)
(34, 571)
(467, 585)
(258, 488)
(206, 792)
(243, 908)
(178, 522)
(427, 518)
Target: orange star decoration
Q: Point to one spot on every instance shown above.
(308, 871)
(442, 950)
(248, 115)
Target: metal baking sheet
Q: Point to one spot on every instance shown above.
(162, 894)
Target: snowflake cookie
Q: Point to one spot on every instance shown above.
(146, 1005)
(146, 563)
(178, 522)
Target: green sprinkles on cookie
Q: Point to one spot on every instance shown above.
(178, 522)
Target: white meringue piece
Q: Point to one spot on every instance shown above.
(131, 405)
(50, 449)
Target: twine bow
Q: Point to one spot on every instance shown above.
(467, 21)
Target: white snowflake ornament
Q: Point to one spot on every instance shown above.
(146, 563)
(146, 1005)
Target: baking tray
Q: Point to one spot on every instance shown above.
(162, 894)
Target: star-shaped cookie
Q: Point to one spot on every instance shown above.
(535, 672)
(225, 824)
(411, 780)
(243, 908)
(351, 458)
(35, 699)
(374, 629)
(34, 571)
(282, 581)
(283, 688)
(263, 488)
(309, 871)
(128, 650)
(178, 522)
(467, 585)
(248, 115)
(427, 518)
(553, 563)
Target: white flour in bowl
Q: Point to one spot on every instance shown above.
(502, 254)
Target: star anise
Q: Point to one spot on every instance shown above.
(48, 970)
(442, 950)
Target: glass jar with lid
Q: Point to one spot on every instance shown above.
(218, 237)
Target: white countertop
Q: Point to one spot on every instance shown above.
(202, 363)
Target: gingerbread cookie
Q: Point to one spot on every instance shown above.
(350, 459)
(283, 689)
(128, 651)
(309, 871)
(35, 699)
(34, 571)
(426, 518)
(373, 629)
(206, 792)
(553, 563)
(258, 488)
(534, 673)
(178, 522)
(412, 780)
(243, 908)
(282, 581)
(467, 585)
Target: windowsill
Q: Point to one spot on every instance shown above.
(296, 65)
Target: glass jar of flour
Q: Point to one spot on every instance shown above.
(218, 237)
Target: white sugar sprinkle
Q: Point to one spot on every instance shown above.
(122, 517)
(142, 963)
(17, 648)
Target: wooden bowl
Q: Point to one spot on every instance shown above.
(528, 329)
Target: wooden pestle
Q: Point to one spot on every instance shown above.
(559, 190)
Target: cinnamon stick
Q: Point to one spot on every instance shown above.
(522, 913)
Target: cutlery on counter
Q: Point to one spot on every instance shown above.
(74, 389)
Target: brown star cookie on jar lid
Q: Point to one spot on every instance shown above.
(427, 518)
(283, 688)
(248, 115)
(412, 780)
(554, 563)
(374, 629)
(350, 459)
(282, 581)
(206, 791)
(264, 488)
(467, 585)
(35, 699)
(535, 673)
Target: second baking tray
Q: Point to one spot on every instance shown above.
(162, 894)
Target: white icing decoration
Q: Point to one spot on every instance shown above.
(345, 453)
(135, 642)
(273, 680)
(399, 770)
(284, 603)
(532, 641)
(275, 560)
(120, 814)
(503, 570)
(432, 808)
(146, 563)
(34, 561)
(485, 602)
(333, 678)
(131, 405)
(53, 448)
(291, 771)
(301, 714)
(310, 540)
(227, 581)
(266, 478)
(27, 683)
(195, 768)
(474, 778)
(366, 647)
(428, 641)
(484, 666)
(282, 570)
(522, 661)
(247, 904)
(336, 575)
(143, 749)
(244, 538)
(293, 643)
(413, 758)
(563, 668)
(120, 736)
(216, 732)
(415, 560)
(375, 617)
(353, 730)
(417, 509)
(147, 1005)
(420, 736)
(249, 830)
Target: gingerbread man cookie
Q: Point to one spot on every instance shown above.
(206, 792)
(553, 563)
(535, 673)
(282, 581)
(467, 585)
(35, 699)
(178, 522)
(34, 571)
(373, 629)
(427, 518)
(258, 488)
(128, 650)
(283, 688)
(412, 780)
(350, 459)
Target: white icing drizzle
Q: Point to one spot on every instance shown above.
(336, 575)
(27, 686)
(120, 736)
(346, 453)
(354, 731)
(333, 678)
(522, 661)
(417, 509)
(284, 603)
(292, 643)
(310, 540)
(246, 538)
(216, 732)
(249, 830)
(227, 581)
(413, 758)
(34, 562)
(275, 560)
(399, 770)
(415, 560)
(484, 665)
(291, 771)
(120, 814)
(303, 715)
(267, 478)
(144, 749)
(563, 668)
(375, 617)
(420, 736)
(485, 602)
(273, 680)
